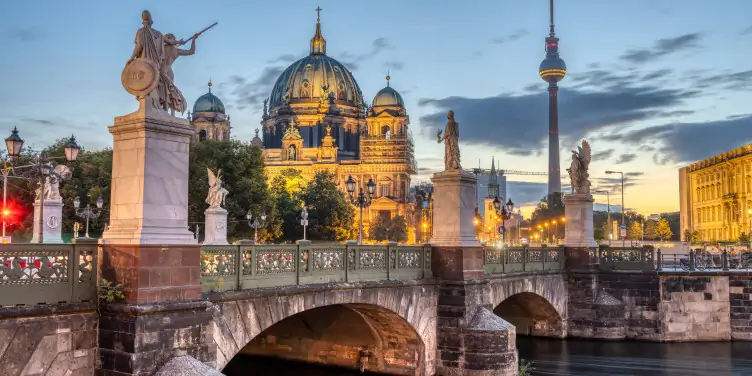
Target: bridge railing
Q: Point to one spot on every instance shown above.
(33, 274)
(239, 267)
(638, 258)
(522, 259)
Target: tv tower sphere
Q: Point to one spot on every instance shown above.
(552, 69)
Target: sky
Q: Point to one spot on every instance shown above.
(652, 84)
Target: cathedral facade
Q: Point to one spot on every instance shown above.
(316, 119)
(209, 119)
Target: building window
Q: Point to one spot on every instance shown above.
(385, 215)
(385, 190)
(202, 135)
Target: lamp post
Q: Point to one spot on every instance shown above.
(254, 223)
(505, 213)
(623, 223)
(362, 200)
(88, 212)
(40, 171)
(304, 220)
(608, 207)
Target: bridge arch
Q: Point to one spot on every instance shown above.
(386, 330)
(534, 304)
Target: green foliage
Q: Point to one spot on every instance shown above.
(392, 229)
(692, 236)
(109, 292)
(525, 368)
(663, 230)
(635, 231)
(243, 176)
(545, 212)
(288, 206)
(330, 215)
(650, 227)
(743, 237)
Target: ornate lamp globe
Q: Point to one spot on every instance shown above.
(497, 203)
(510, 206)
(14, 143)
(350, 184)
(71, 150)
(552, 69)
(371, 187)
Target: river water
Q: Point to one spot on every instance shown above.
(585, 358)
(570, 357)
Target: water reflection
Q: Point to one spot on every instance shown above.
(242, 365)
(584, 358)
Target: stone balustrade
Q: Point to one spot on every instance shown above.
(33, 274)
(522, 259)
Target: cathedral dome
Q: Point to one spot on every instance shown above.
(388, 97)
(314, 77)
(209, 103)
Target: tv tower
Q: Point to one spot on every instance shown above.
(552, 70)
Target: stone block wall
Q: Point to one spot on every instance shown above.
(695, 308)
(641, 295)
(740, 303)
(38, 341)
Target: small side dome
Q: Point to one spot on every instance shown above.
(388, 97)
(209, 103)
(257, 140)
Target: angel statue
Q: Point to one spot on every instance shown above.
(217, 194)
(52, 183)
(451, 139)
(578, 170)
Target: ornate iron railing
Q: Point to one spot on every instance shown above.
(705, 260)
(640, 258)
(239, 267)
(47, 273)
(522, 259)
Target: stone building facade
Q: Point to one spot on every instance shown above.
(716, 195)
(316, 119)
(209, 118)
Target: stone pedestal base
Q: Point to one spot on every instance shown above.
(457, 264)
(455, 199)
(149, 199)
(578, 208)
(136, 340)
(53, 221)
(215, 222)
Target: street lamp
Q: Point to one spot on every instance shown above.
(88, 212)
(361, 200)
(304, 220)
(608, 203)
(623, 222)
(39, 171)
(504, 212)
(254, 223)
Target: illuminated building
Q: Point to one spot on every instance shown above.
(552, 70)
(317, 120)
(716, 195)
(209, 119)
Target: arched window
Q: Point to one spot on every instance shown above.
(385, 130)
(202, 135)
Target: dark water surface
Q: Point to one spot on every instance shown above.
(242, 365)
(585, 358)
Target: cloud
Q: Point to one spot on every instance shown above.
(728, 80)
(626, 158)
(602, 155)
(690, 142)
(747, 31)
(489, 120)
(286, 58)
(662, 47)
(510, 38)
(353, 61)
(394, 65)
(23, 35)
(525, 193)
(244, 93)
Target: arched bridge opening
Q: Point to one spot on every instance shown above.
(361, 338)
(532, 315)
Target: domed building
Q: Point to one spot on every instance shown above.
(209, 118)
(316, 119)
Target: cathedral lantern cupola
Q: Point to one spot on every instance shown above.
(209, 118)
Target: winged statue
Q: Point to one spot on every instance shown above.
(578, 169)
(52, 182)
(217, 193)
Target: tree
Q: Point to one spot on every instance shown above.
(691, 236)
(392, 229)
(243, 176)
(650, 230)
(289, 207)
(743, 237)
(330, 215)
(635, 231)
(663, 230)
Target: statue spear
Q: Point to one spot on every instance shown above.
(202, 31)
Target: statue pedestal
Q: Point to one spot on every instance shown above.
(215, 222)
(578, 209)
(454, 202)
(149, 199)
(53, 221)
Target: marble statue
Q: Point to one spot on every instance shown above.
(148, 73)
(291, 153)
(578, 170)
(52, 183)
(217, 194)
(451, 139)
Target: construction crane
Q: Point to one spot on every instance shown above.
(502, 172)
